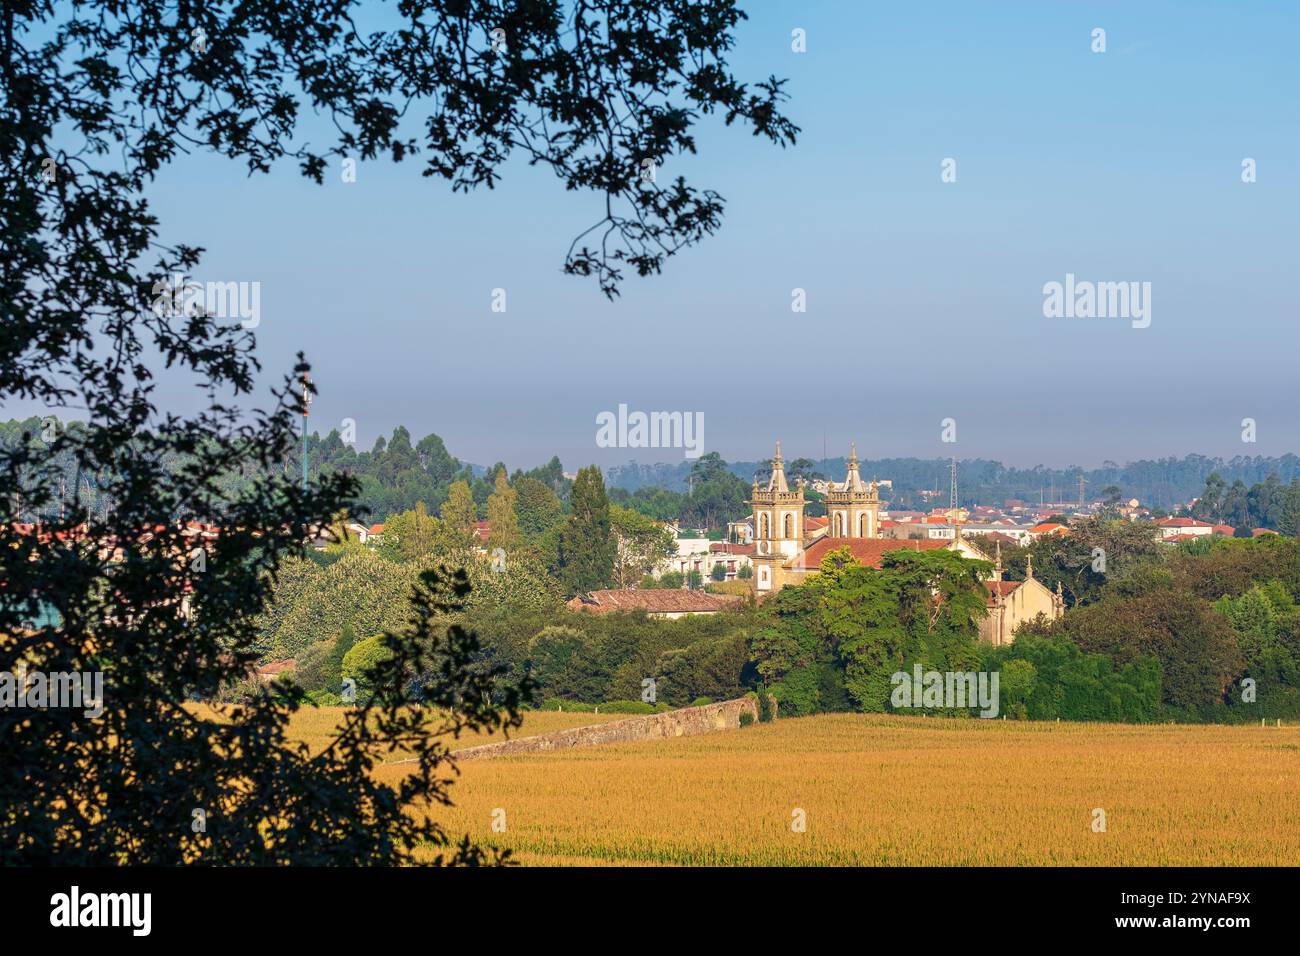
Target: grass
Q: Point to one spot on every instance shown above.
(880, 790)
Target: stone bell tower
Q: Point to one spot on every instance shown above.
(853, 508)
(778, 525)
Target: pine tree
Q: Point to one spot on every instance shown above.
(586, 552)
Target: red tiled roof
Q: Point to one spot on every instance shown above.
(483, 530)
(1259, 532)
(869, 551)
(1227, 529)
(812, 524)
(276, 667)
(1047, 527)
(654, 601)
(376, 529)
(1000, 587)
(723, 547)
(999, 536)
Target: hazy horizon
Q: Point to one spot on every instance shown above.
(924, 298)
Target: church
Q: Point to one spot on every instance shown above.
(787, 550)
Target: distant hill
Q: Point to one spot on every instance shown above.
(1163, 482)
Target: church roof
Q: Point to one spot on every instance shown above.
(869, 551)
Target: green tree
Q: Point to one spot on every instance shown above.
(459, 516)
(410, 535)
(538, 507)
(586, 551)
(503, 523)
(641, 544)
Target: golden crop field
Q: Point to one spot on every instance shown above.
(879, 790)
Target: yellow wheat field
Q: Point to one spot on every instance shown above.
(877, 790)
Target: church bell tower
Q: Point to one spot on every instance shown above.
(778, 525)
(853, 508)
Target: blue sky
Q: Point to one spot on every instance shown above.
(924, 298)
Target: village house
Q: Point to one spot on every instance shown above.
(1171, 528)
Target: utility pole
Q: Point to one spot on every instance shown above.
(306, 402)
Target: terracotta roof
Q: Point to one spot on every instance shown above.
(1227, 529)
(276, 667)
(483, 530)
(816, 522)
(653, 601)
(1001, 587)
(999, 536)
(1258, 532)
(1047, 527)
(868, 551)
(376, 529)
(1183, 523)
(724, 547)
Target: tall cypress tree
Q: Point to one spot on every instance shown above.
(587, 542)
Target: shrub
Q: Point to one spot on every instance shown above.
(363, 657)
(577, 706)
(765, 712)
(746, 718)
(701, 701)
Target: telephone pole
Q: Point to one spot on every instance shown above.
(306, 402)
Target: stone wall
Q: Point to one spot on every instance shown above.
(674, 723)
